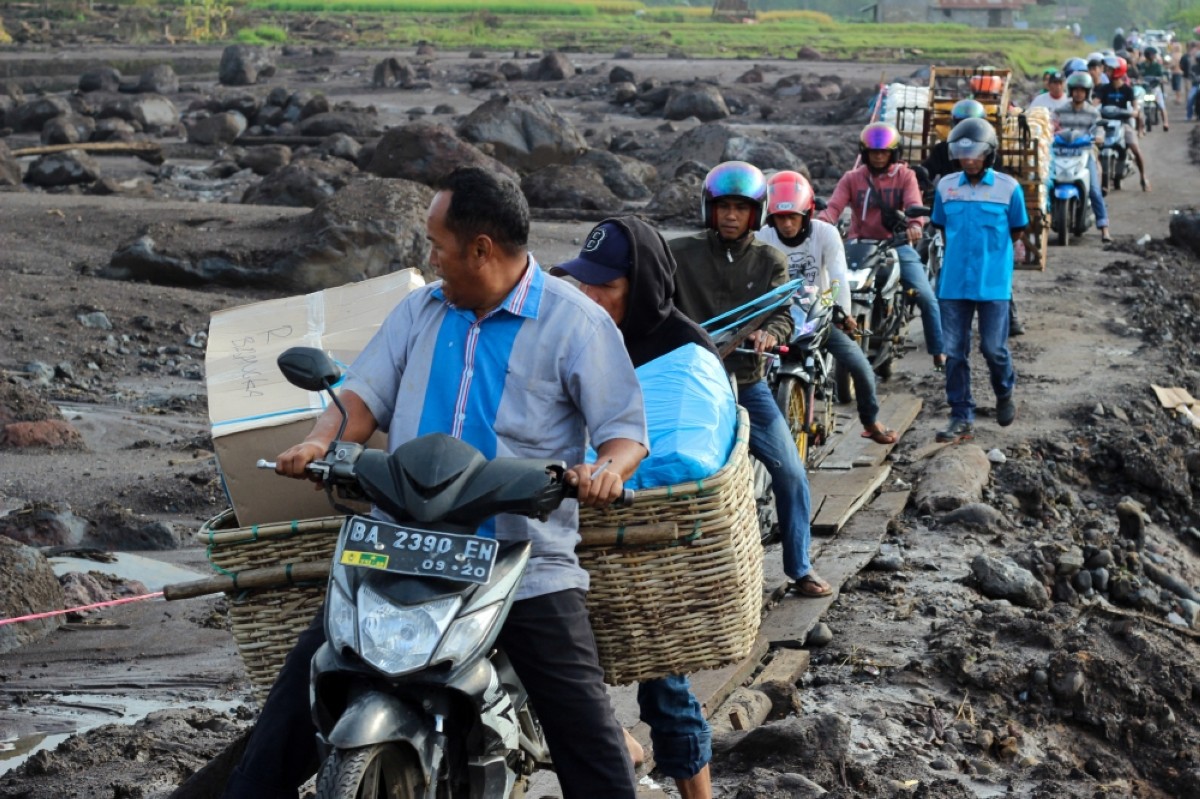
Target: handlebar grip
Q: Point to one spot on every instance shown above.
(628, 495)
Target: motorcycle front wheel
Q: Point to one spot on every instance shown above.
(380, 771)
(792, 397)
(1061, 222)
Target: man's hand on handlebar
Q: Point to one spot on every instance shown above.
(914, 234)
(292, 462)
(762, 341)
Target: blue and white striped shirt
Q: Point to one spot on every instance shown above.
(532, 379)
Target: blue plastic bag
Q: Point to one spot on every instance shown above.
(691, 416)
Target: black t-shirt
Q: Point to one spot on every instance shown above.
(1116, 96)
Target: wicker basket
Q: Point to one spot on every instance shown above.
(676, 578)
(266, 622)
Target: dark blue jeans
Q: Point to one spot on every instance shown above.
(957, 316)
(850, 357)
(681, 736)
(771, 442)
(912, 276)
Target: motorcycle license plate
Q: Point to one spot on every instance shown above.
(374, 544)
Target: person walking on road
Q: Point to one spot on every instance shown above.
(724, 267)
(982, 212)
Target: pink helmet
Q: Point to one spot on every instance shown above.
(789, 193)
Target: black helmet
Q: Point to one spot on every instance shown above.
(967, 109)
(974, 138)
(1150, 52)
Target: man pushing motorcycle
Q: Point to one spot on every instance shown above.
(515, 364)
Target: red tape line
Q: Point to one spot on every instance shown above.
(108, 604)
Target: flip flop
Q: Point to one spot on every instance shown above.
(811, 586)
(885, 436)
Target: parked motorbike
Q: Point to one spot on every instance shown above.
(410, 695)
(1070, 210)
(880, 306)
(1114, 155)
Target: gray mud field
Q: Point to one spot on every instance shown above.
(1039, 642)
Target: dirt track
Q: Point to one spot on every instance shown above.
(916, 654)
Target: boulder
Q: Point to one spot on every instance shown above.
(621, 75)
(56, 434)
(807, 53)
(301, 184)
(243, 65)
(222, 128)
(32, 116)
(763, 153)
(114, 527)
(339, 145)
(27, 585)
(265, 159)
(7, 104)
(68, 129)
(704, 144)
(152, 113)
(1001, 578)
(703, 102)
(81, 589)
(318, 104)
(359, 124)
(511, 71)
(158, 79)
(13, 90)
(525, 132)
(626, 177)
(1185, 229)
(244, 103)
(370, 228)
(10, 167)
(68, 168)
(486, 79)
(954, 477)
(575, 187)
(425, 151)
(102, 79)
(113, 129)
(622, 93)
(552, 66)
(677, 200)
(392, 72)
(752, 75)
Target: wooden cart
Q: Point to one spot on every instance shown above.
(1024, 148)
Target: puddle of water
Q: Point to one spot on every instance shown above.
(83, 712)
(153, 574)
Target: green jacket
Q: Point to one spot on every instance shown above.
(714, 277)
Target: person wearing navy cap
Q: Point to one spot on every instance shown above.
(627, 269)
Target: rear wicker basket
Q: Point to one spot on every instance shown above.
(690, 600)
(266, 622)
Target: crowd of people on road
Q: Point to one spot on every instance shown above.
(515, 340)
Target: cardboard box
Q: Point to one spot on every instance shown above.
(256, 413)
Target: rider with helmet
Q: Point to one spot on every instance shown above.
(1055, 96)
(982, 211)
(1154, 74)
(1081, 115)
(722, 268)
(1095, 68)
(1118, 98)
(939, 161)
(877, 191)
(1073, 65)
(815, 254)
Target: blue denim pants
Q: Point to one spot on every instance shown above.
(912, 276)
(771, 442)
(1096, 193)
(679, 732)
(850, 356)
(957, 316)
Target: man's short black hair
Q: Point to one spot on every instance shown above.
(484, 202)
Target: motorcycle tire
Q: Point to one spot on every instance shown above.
(379, 771)
(1061, 222)
(795, 402)
(843, 384)
(764, 503)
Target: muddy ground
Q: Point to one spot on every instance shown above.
(934, 690)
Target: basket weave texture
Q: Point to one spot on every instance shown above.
(685, 605)
(266, 622)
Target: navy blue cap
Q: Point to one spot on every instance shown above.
(605, 256)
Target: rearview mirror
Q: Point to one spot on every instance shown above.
(308, 368)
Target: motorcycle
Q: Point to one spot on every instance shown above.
(880, 306)
(800, 373)
(1070, 210)
(1114, 154)
(1148, 95)
(410, 695)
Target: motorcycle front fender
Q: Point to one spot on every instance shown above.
(374, 717)
(1065, 191)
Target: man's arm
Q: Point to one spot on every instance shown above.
(912, 197)
(600, 485)
(837, 201)
(779, 325)
(1018, 217)
(360, 425)
(833, 260)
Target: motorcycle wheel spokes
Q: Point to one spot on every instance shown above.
(380, 771)
(791, 398)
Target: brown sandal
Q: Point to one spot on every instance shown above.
(880, 434)
(811, 586)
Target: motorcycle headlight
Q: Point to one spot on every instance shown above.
(397, 638)
(466, 633)
(340, 625)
